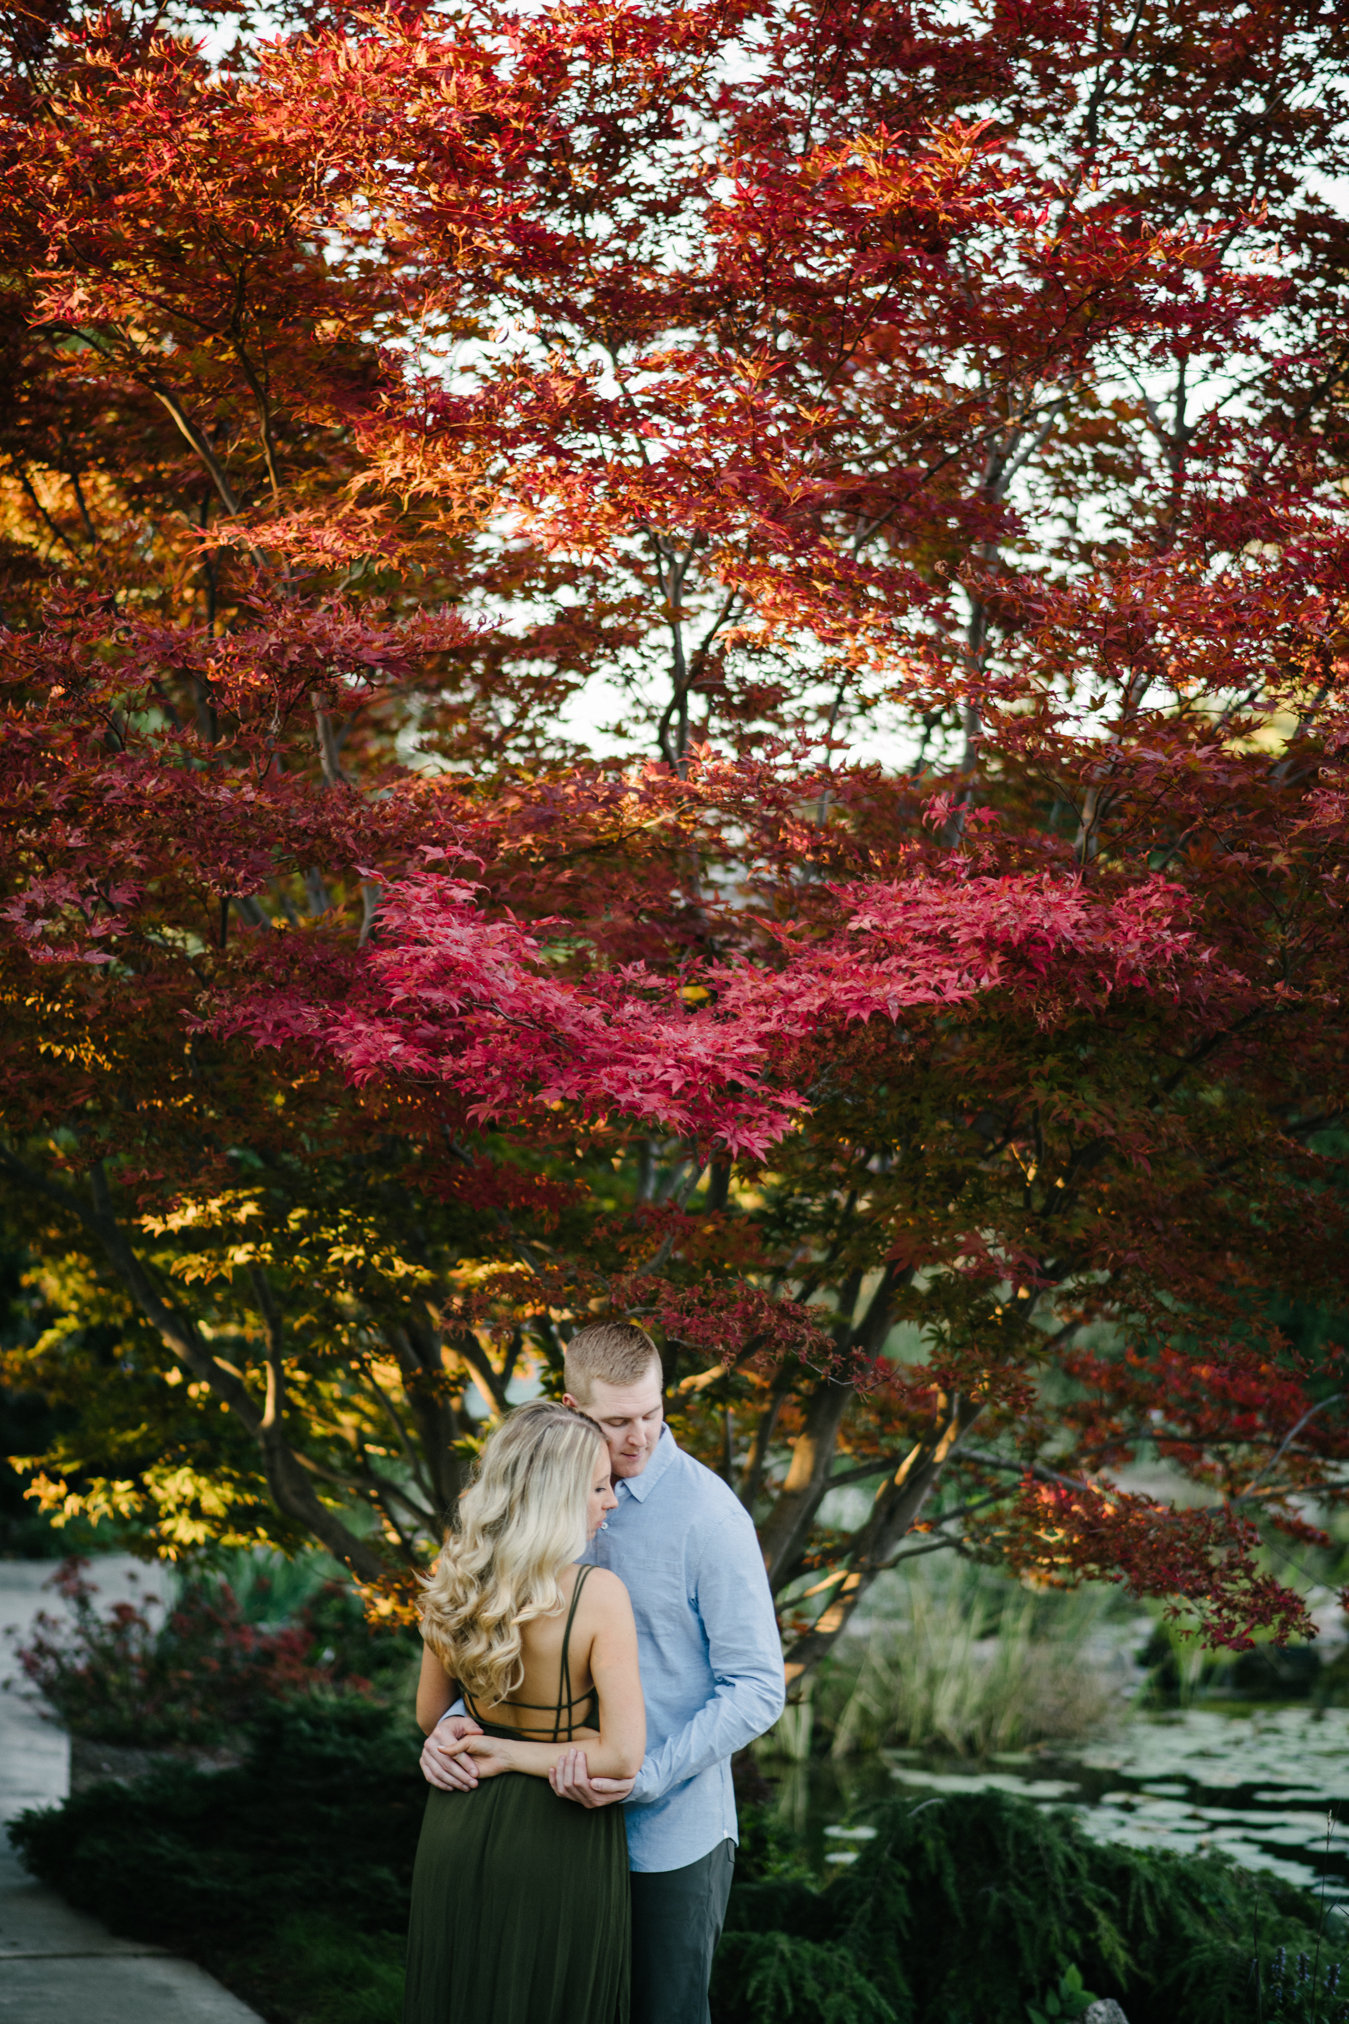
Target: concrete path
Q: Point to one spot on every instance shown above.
(56, 1966)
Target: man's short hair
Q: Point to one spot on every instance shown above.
(615, 1352)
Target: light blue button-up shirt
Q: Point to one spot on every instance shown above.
(707, 1640)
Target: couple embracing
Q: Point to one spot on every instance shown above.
(599, 1641)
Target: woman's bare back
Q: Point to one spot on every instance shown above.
(547, 1706)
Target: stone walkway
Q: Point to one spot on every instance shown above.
(56, 1966)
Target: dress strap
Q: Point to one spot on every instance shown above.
(564, 1693)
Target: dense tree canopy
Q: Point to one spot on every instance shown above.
(690, 663)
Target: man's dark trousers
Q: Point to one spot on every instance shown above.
(677, 1916)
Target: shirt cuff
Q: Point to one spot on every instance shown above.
(644, 1791)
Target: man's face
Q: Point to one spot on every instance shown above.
(630, 1416)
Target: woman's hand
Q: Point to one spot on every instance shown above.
(491, 1755)
(442, 1765)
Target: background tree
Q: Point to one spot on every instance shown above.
(916, 438)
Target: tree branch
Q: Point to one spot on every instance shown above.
(293, 1496)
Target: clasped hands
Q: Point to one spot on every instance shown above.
(456, 1755)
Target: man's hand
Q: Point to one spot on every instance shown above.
(570, 1778)
(442, 1764)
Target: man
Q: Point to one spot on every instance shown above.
(711, 1663)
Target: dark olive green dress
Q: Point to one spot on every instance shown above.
(520, 1899)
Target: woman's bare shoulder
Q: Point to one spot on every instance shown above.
(604, 1591)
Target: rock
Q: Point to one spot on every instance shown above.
(1107, 2011)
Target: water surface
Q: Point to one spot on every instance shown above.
(1258, 1783)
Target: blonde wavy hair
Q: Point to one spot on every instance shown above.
(521, 1521)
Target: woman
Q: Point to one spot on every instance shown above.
(519, 1898)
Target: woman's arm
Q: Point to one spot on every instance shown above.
(435, 1691)
(618, 1750)
(618, 1681)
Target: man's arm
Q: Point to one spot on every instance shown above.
(745, 1653)
(445, 1726)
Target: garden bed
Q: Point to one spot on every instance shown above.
(288, 1876)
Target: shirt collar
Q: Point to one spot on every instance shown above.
(641, 1486)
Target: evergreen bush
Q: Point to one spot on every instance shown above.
(288, 1878)
(969, 1909)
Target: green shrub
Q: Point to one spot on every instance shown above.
(1072, 1998)
(321, 1821)
(207, 1669)
(799, 1981)
(316, 1970)
(289, 1879)
(968, 1909)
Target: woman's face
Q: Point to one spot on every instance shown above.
(602, 1499)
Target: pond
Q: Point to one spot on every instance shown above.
(1258, 1783)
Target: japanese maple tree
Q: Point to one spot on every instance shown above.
(686, 663)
